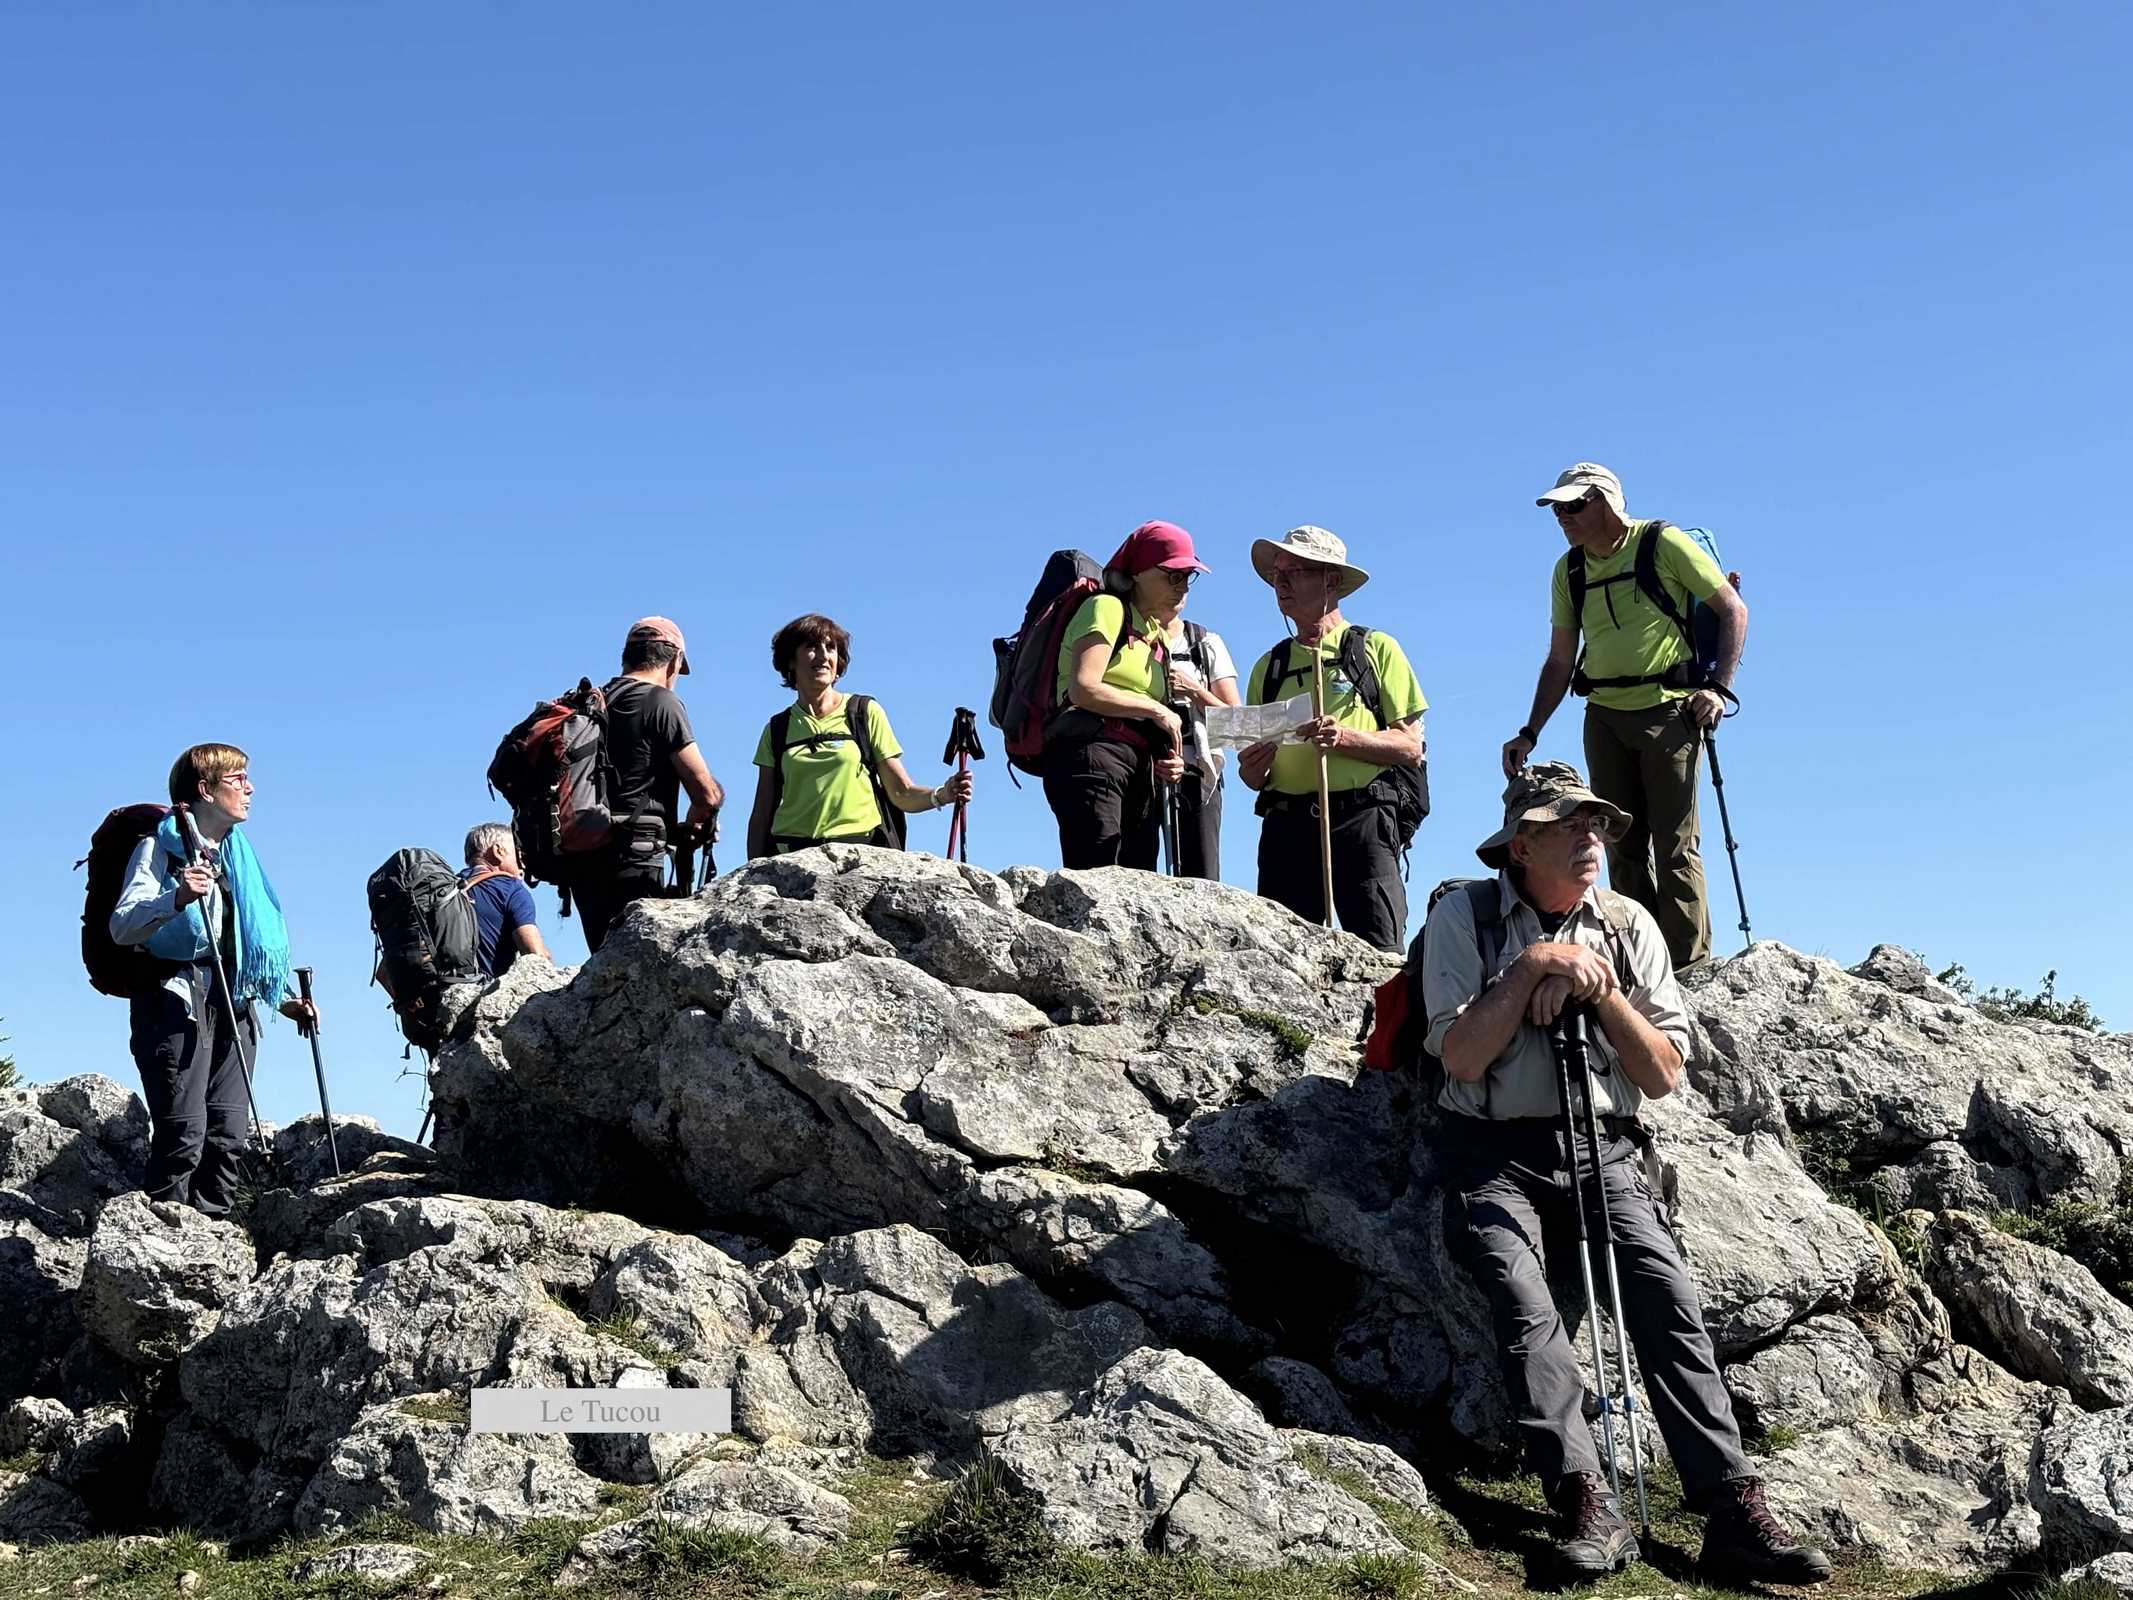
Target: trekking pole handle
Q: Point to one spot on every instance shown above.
(303, 986)
(188, 834)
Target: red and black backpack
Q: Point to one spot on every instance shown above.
(552, 769)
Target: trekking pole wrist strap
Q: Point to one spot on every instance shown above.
(1529, 733)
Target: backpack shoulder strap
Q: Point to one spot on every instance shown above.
(780, 725)
(1616, 911)
(1277, 672)
(1362, 669)
(1648, 579)
(1574, 570)
(855, 721)
(1196, 649)
(469, 885)
(1484, 898)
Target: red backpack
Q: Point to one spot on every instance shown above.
(118, 969)
(1025, 676)
(553, 770)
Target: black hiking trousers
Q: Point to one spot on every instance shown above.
(193, 1081)
(1507, 1201)
(1199, 826)
(1102, 791)
(1369, 895)
(602, 895)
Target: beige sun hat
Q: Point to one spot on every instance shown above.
(1579, 479)
(1546, 792)
(1310, 543)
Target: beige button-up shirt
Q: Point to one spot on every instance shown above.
(1522, 1082)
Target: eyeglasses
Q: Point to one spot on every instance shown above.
(1572, 826)
(1290, 577)
(236, 780)
(1179, 577)
(1570, 508)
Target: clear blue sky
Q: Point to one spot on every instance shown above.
(367, 369)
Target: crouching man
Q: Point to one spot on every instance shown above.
(1501, 962)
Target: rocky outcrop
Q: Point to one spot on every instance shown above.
(158, 1277)
(2081, 1480)
(1057, 1169)
(2043, 1316)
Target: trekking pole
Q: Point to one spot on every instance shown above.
(1325, 798)
(963, 748)
(1725, 821)
(318, 1065)
(191, 835)
(1577, 1049)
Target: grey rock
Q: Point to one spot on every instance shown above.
(105, 1111)
(33, 1425)
(444, 1478)
(2112, 1573)
(1820, 1373)
(2081, 1481)
(1942, 1490)
(1383, 1472)
(1294, 1394)
(93, 1451)
(1163, 1455)
(35, 1510)
(2040, 1314)
(760, 1501)
(1897, 968)
(303, 1158)
(199, 1482)
(158, 1277)
(380, 1564)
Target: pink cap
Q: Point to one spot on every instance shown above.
(1157, 544)
(661, 628)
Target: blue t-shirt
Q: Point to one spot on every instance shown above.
(502, 905)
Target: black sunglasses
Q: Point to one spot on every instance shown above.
(1570, 508)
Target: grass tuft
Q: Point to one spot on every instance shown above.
(983, 1527)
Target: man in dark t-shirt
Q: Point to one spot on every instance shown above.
(504, 922)
(653, 752)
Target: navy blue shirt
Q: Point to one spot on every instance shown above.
(502, 905)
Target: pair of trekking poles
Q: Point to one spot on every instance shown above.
(191, 835)
(1570, 1041)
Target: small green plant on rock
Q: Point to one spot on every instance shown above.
(2005, 1003)
(983, 1528)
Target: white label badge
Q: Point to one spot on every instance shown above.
(603, 1411)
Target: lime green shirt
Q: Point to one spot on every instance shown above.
(1136, 669)
(1400, 696)
(1626, 636)
(826, 794)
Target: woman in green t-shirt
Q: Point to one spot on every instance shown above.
(823, 776)
(1114, 737)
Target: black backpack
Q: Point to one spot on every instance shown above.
(118, 969)
(1404, 789)
(894, 829)
(423, 919)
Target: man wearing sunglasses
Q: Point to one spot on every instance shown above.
(1646, 715)
(1502, 959)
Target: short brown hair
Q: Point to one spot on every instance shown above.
(641, 650)
(203, 763)
(814, 628)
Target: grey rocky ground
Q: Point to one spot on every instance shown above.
(1073, 1169)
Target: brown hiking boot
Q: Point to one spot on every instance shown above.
(1743, 1541)
(1595, 1541)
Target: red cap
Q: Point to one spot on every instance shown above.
(1157, 544)
(663, 629)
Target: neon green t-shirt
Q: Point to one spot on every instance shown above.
(1136, 668)
(1400, 696)
(1626, 636)
(826, 794)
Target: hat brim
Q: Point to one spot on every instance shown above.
(1495, 850)
(1264, 551)
(1182, 564)
(1569, 491)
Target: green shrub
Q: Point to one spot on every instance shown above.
(2098, 1235)
(983, 1527)
(2006, 1003)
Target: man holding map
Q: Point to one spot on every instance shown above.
(1367, 730)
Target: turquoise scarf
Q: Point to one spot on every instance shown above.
(262, 971)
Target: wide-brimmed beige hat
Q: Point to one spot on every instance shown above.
(1310, 543)
(1579, 479)
(1546, 792)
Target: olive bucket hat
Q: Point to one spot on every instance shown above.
(1547, 791)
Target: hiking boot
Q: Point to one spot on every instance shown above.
(1596, 1541)
(1743, 1542)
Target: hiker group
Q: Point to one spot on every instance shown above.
(1526, 995)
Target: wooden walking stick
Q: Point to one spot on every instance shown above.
(1325, 802)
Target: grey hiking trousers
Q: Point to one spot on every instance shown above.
(1506, 1200)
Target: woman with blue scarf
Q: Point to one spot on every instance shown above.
(184, 1036)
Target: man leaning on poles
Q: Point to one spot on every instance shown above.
(1512, 970)
(1646, 718)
